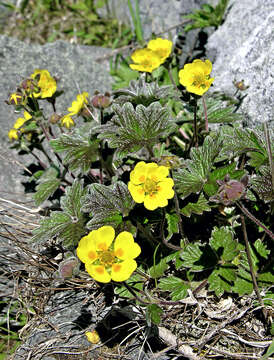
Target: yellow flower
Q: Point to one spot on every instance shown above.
(162, 47)
(46, 83)
(13, 134)
(196, 76)
(149, 184)
(145, 60)
(67, 121)
(107, 259)
(78, 104)
(16, 99)
(93, 336)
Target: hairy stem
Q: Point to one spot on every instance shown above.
(195, 132)
(205, 113)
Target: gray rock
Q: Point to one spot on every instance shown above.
(242, 49)
(74, 65)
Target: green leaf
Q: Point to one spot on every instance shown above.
(220, 112)
(172, 225)
(262, 183)
(135, 281)
(220, 280)
(48, 184)
(131, 129)
(107, 204)
(211, 187)
(175, 286)
(242, 286)
(71, 202)
(191, 255)
(266, 277)
(197, 208)
(222, 241)
(80, 151)
(270, 351)
(261, 248)
(153, 314)
(140, 92)
(192, 178)
(158, 270)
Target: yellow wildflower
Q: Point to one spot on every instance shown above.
(93, 336)
(78, 104)
(149, 184)
(196, 76)
(162, 47)
(46, 83)
(67, 121)
(16, 99)
(13, 134)
(107, 259)
(145, 60)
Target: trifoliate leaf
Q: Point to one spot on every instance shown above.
(222, 241)
(262, 183)
(48, 184)
(197, 208)
(220, 280)
(131, 129)
(107, 204)
(153, 314)
(191, 256)
(211, 187)
(80, 151)
(172, 225)
(194, 175)
(140, 92)
(220, 112)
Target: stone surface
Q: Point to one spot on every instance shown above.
(74, 65)
(242, 49)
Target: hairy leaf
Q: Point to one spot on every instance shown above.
(135, 281)
(71, 202)
(172, 225)
(191, 256)
(219, 112)
(140, 92)
(193, 177)
(80, 151)
(131, 129)
(107, 204)
(261, 248)
(48, 184)
(158, 270)
(222, 241)
(220, 280)
(153, 314)
(197, 208)
(262, 183)
(175, 286)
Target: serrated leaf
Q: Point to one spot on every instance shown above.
(80, 151)
(135, 281)
(172, 225)
(197, 208)
(191, 255)
(220, 280)
(140, 92)
(71, 202)
(222, 241)
(48, 184)
(175, 286)
(267, 277)
(158, 270)
(262, 183)
(131, 129)
(261, 248)
(211, 187)
(242, 286)
(219, 112)
(153, 314)
(192, 178)
(269, 352)
(107, 204)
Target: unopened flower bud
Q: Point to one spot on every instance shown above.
(68, 267)
(55, 118)
(29, 86)
(230, 190)
(101, 101)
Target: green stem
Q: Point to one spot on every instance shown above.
(195, 132)
(253, 275)
(205, 113)
(269, 152)
(255, 220)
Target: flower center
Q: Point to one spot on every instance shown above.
(150, 186)
(106, 257)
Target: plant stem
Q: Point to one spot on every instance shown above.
(205, 113)
(255, 220)
(253, 275)
(195, 135)
(150, 151)
(269, 152)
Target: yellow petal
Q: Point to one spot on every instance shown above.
(27, 115)
(125, 247)
(86, 250)
(93, 336)
(162, 172)
(98, 273)
(105, 236)
(12, 134)
(137, 192)
(123, 270)
(151, 202)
